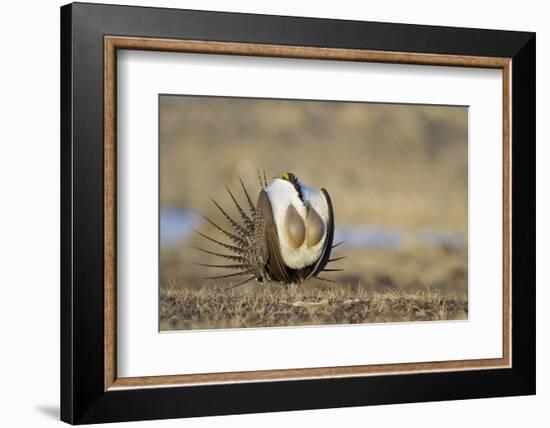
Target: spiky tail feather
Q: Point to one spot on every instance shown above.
(243, 237)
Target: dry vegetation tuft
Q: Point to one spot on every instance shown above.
(211, 307)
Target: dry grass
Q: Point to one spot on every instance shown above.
(214, 306)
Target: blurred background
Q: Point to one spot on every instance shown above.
(397, 176)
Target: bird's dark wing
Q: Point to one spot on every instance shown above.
(268, 231)
(313, 270)
(330, 235)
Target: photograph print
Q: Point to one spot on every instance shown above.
(286, 212)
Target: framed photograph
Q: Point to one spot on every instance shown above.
(265, 213)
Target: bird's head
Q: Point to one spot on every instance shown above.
(292, 179)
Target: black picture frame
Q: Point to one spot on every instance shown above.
(83, 398)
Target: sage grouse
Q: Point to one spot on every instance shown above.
(286, 237)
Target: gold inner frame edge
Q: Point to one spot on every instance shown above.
(113, 43)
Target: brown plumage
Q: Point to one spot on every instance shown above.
(254, 250)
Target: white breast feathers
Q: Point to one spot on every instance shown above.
(301, 224)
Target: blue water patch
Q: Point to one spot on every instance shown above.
(368, 237)
(176, 225)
